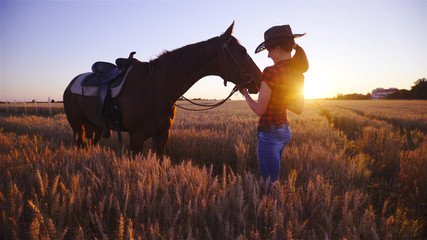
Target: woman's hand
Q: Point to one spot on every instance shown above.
(260, 106)
(243, 91)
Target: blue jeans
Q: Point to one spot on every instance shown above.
(270, 150)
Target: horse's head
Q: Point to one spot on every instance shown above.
(238, 66)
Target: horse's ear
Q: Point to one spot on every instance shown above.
(227, 34)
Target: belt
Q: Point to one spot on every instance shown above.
(271, 128)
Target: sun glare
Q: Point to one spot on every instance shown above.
(314, 89)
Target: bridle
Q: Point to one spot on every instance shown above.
(225, 51)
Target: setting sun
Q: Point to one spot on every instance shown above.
(314, 89)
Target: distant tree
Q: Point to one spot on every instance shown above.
(419, 91)
(356, 96)
(52, 101)
(353, 96)
(401, 94)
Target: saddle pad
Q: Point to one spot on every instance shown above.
(92, 91)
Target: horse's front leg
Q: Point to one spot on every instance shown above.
(161, 140)
(162, 136)
(137, 140)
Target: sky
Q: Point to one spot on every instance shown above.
(352, 46)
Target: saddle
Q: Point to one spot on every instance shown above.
(106, 75)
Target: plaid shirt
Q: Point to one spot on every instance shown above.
(277, 78)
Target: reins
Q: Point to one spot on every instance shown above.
(211, 106)
(206, 106)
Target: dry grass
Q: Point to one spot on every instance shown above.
(346, 174)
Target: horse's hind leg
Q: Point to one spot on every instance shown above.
(79, 135)
(83, 132)
(92, 132)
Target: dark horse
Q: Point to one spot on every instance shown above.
(146, 112)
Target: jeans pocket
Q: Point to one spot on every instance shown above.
(265, 137)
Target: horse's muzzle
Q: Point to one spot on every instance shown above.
(250, 84)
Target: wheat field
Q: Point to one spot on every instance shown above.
(352, 170)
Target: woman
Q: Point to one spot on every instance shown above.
(281, 89)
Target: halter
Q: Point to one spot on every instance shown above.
(225, 51)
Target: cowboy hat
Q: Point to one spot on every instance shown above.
(276, 35)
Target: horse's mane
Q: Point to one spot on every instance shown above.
(189, 49)
(162, 53)
(190, 54)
